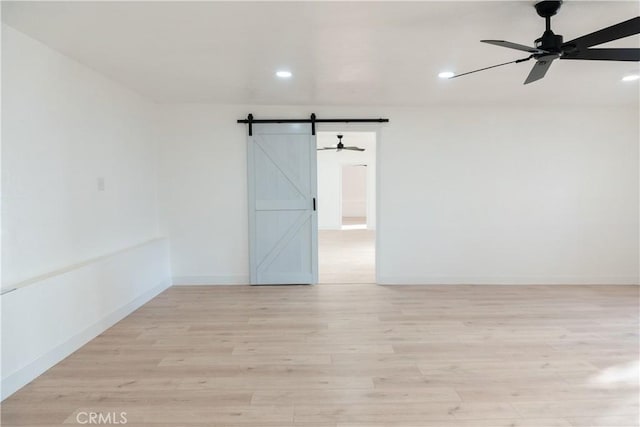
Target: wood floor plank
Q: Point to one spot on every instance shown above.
(355, 396)
(509, 422)
(403, 413)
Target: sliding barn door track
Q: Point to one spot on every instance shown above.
(312, 119)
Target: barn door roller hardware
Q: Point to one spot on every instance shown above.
(313, 120)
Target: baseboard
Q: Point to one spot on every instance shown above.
(28, 373)
(210, 280)
(516, 281)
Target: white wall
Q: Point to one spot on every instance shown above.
(204, 194)
(64, 127)
(330, 165)
(484, 196)
(354, 191)
(467, 195)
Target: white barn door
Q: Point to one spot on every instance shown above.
(283, 222)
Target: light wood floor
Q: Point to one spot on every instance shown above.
(347, 256)
(355, 355)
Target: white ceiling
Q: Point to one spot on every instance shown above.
(341, 53)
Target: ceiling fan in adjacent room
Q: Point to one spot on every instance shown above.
(341, 146)
(551, 46)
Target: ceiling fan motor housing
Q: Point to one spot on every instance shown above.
(550, 42)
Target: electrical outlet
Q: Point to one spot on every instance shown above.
(100, 184)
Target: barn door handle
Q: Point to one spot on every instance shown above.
(314, 203)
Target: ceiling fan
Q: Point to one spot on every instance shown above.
(550, 46)
(341, 146)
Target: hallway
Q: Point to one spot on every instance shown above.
(347, 256)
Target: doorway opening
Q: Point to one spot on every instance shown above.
(346, 206)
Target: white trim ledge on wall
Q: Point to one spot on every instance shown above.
(76, 266)
(518, 281)
(46, 321)
(210, 280)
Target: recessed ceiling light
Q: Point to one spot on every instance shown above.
(446, 74)
(283, 74)
(631, 77)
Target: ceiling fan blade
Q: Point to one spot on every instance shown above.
(540, 68)
(493, 66)
(503, 43)
(632, 54)
(327, 148)
(614, 32)
(354, 148)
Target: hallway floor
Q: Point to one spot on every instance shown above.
(348, 255)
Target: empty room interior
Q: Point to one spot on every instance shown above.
(320, 214)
